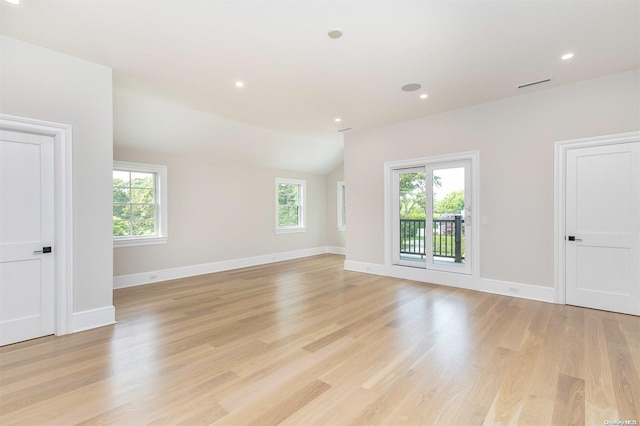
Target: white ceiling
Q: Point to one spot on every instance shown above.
(297, 79)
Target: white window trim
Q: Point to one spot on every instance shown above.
(340, 190)
(161, 200)
(303, 220)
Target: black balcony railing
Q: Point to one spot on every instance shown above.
(448, 237)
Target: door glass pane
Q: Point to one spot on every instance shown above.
(448, 216)
(412, 217)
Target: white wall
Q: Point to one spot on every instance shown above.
(42, 84)
(335, 238)
(220, 211)
(515, 138)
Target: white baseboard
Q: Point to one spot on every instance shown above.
(506, 288)
(94, 318)
(524, 291)
(336, 250)
(132, 280)
(367, 268)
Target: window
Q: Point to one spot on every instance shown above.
(290, 205)
(139, 204)
(342, 213)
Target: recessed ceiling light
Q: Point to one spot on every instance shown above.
(13, 1)
(335, 33)
(424, 96)
(567, 56)
(412, 87)
(239, 84)
(337, 120)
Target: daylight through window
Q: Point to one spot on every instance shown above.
(290, 205)
(138, 204)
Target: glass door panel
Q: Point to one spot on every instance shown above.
(410, 217)
(449, 206)
(448, 215)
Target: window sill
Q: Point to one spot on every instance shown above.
(138, 241)
(290, 230)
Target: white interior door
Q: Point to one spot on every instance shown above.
(26, 231)
(603, 227)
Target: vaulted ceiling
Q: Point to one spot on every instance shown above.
(298, 80)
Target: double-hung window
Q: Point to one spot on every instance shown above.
(290, 205)
(139, 204)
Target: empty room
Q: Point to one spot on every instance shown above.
(319, 212)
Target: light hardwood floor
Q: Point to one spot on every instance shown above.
(306, 343)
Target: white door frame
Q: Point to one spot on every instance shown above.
(471, 281)
(559, 207)
(63, 246)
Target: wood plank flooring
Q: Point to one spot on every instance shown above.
(306, 343)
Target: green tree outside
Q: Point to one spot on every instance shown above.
(412, 194)
(288, 205)
(413, 205)
(452, 203)
(133, 204)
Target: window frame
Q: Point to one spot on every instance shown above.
(162, 235)
(342, 213)
(302, 204)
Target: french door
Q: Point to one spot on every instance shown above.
(431, 216)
